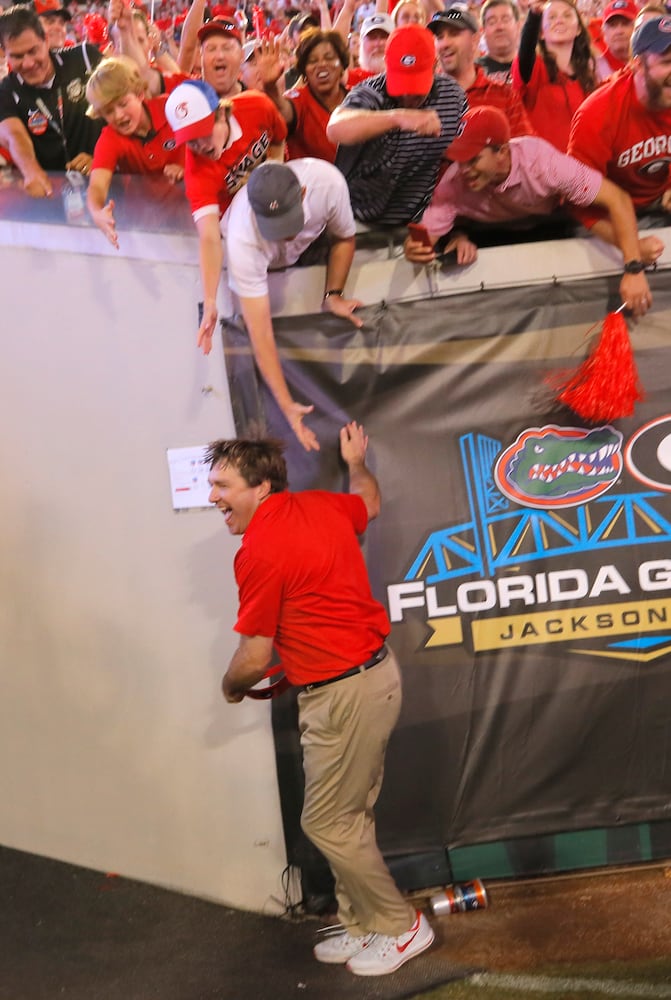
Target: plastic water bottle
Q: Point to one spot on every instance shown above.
(74, 201)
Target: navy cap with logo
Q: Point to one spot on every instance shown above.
(456, 15)
(276, 199)
(652, 36)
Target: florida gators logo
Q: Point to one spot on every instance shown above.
(559, 466)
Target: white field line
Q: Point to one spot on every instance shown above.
(550, 984)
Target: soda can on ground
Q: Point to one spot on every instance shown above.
(460, 898)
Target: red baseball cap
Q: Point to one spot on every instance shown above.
(479, 128)
(410, 58)
(52, 7)
(620, 8)
(220, 26)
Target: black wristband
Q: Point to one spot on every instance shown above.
(333, 291)
(634, 267)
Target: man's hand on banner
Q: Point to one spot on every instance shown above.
(340, 306)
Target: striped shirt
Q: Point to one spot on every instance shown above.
(391, 178)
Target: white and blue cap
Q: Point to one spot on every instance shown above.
(191, 110)
(276, 198)
(652, 36)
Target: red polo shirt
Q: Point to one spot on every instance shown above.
(257, 125)
(135, 155)
(308, 136)
(302, 580)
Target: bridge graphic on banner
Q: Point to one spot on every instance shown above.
(501, 535)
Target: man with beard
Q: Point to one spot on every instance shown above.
(623, 129)
(373, 37)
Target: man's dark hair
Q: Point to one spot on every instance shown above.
(17, 19)
(256, 461)
(314, 37)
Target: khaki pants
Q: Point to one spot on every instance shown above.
(345, 727)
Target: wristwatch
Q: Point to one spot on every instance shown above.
(634, 267)
(333, 291)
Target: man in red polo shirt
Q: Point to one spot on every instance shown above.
(226, 139)
(304, 591)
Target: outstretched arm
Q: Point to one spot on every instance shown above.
(122, 29)
(15, 136)
(271, 65)
(189, 38)
(101, 210)
(634, 289)
(350, 126)
(341, 254)
(258, 320)
(211, 254)
(526, 53)
(353, 445)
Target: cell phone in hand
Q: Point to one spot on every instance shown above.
(420, 234)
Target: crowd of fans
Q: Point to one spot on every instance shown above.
(447, 116)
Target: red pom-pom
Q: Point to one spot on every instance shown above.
(606, 385)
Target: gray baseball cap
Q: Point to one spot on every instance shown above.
(276, 197)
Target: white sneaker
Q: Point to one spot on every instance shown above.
(385, 954)
(338, 948)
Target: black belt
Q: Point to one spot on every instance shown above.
(376, 658)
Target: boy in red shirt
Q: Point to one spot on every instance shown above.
(136, 140)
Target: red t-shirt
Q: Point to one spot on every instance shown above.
(302, 580)
(484, 90)
(308, 136)
(135, 155)
(355, 74)
(256, 124)
(629, 144)
(550, 106)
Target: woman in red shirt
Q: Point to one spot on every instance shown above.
(554, 68)
(321, 60)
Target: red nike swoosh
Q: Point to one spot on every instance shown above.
(401, 947)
